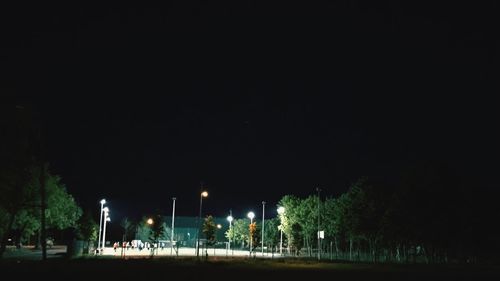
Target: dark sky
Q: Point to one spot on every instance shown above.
(142, 104)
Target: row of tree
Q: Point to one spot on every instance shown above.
(27, 187)
(428, 217)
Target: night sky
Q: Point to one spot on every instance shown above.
(143, 104)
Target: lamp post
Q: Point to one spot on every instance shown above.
(319, 238)
(250, 215)
(230, 220)
(103, 201)
(202, 194)
(219, 227)
(281, 211)
(150, 223)
(106, 219)
(263, 220)
(172, 235)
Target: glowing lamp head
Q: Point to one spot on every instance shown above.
(251, 215)
(106, 209)
(103, 201)
(219, 226)
(149, 221)
(204, 194)
(229, 218)
(281, 210)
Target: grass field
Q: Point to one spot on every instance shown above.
(141, 269)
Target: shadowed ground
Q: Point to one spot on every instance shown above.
(234, 269)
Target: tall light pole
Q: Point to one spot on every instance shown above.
(319, 238)
(263, 220)
(103, 201)
(106, 219)
(281, 211)
(173, 225)
(250, 215)
(150, 222)
(202, 194)
(230, 220)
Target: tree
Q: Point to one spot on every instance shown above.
(158, 231)
(271, 232)
(87, 229)
(290, 217)
(17, 194)
(307, 217)
(296, 240)
(209, 229)
(143, 232)
(127, 227)
(253, 233)
(62, 211)
(240, 231)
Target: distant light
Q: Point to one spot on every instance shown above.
(103, 201)
(219, 226)
(229, 218)
(204, 194)
(150, 221)
(251, 215)
(281, 210)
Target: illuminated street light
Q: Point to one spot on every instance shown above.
(230, 220)
(202, 194)
(281, 211)
(106, 219)
(251, 215)
(150, 221)
(103, 201)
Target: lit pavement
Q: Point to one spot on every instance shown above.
(185, 252)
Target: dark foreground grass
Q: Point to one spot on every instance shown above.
(142, 269)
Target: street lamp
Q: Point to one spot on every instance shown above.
(319, 238)
(263, 209)
(106, 219)
(103, 201)
(251, 215)
(173, 219)
(281, 211)
(230, 220)
(202, 194)
(150, 222)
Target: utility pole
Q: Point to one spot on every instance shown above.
(173, 225)
(263, 219)
(43, 186)
(43, 206)
(319, 238)
(202, 194)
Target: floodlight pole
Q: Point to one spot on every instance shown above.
(106, 219)
(100, 226)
